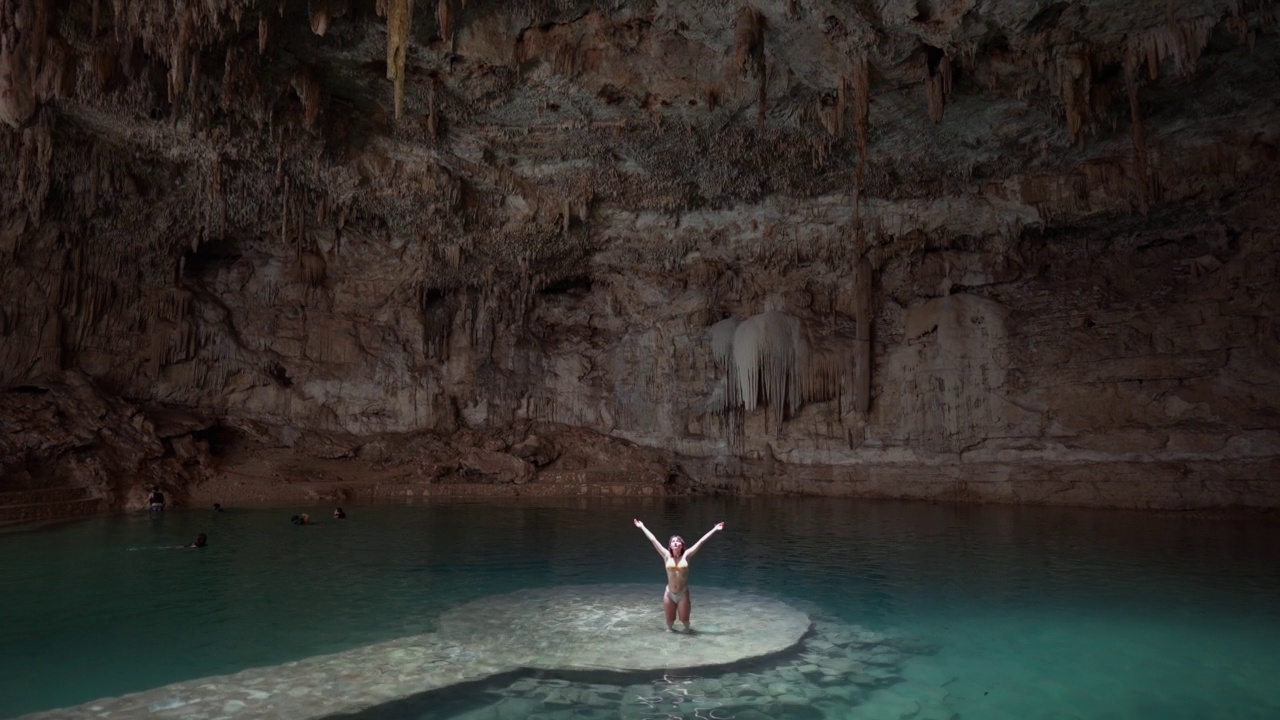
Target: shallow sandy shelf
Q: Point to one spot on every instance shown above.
(620, 627)
(582, 627)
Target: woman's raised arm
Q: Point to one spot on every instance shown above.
(656, 545)
(712, 531)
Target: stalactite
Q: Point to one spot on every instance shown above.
(825, 373)
(445, 15)
(861, 83)
(307, 85)
(762, 95)
(564, 57)
(769, 359)
(938, 85)
(230, 70)
(1179, 42)
(57, 76)
(312, 268)
(323, 13)
(749, 55)
(833, 111)
(319, 10)
(399, 22)
(841, 106)
(748, 42)
(104, 67)
(300, 225)
(519, 52)
(34, 160)
(284, 215)
(1142, 183)
(433, 109)
(180, 51)
(722, 350)
(24, 28)
(862, 279)
(17, 99)
(1075, 76)
(220, 197)
(173, 304)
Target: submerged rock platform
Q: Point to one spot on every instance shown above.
(584, 627)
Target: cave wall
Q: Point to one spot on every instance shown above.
(1056, 228)
(1128, 369)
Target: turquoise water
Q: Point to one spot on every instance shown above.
(1005, 612)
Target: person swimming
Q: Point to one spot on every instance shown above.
(300, 519)
(156, 502)
(339, 513)
(675, 596)
(217, 507)
(202, 540)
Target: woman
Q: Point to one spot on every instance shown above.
(675, 598)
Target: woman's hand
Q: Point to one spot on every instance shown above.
(638, 523)
(719, 526)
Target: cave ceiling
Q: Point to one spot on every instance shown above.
(476, 138)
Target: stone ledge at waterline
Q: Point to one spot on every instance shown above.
(1181, 485)
(1132, 485)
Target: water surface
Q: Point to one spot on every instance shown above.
(1002, 612)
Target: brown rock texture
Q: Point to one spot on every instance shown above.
(971, 250)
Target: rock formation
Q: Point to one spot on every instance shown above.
(1009, 250)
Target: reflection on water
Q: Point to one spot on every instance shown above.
(989, 612)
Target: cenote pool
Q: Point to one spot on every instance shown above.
(930, 612)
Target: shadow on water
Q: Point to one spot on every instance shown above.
(833, 668)
(561, 687)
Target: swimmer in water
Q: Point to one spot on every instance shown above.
(339, 513)
(675, 597)
(202, 540)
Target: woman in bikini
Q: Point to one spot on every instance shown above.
(676, 595)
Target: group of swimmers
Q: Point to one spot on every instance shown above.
(305, 519)
(156, 504)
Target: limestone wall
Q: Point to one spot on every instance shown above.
(1001, 251)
